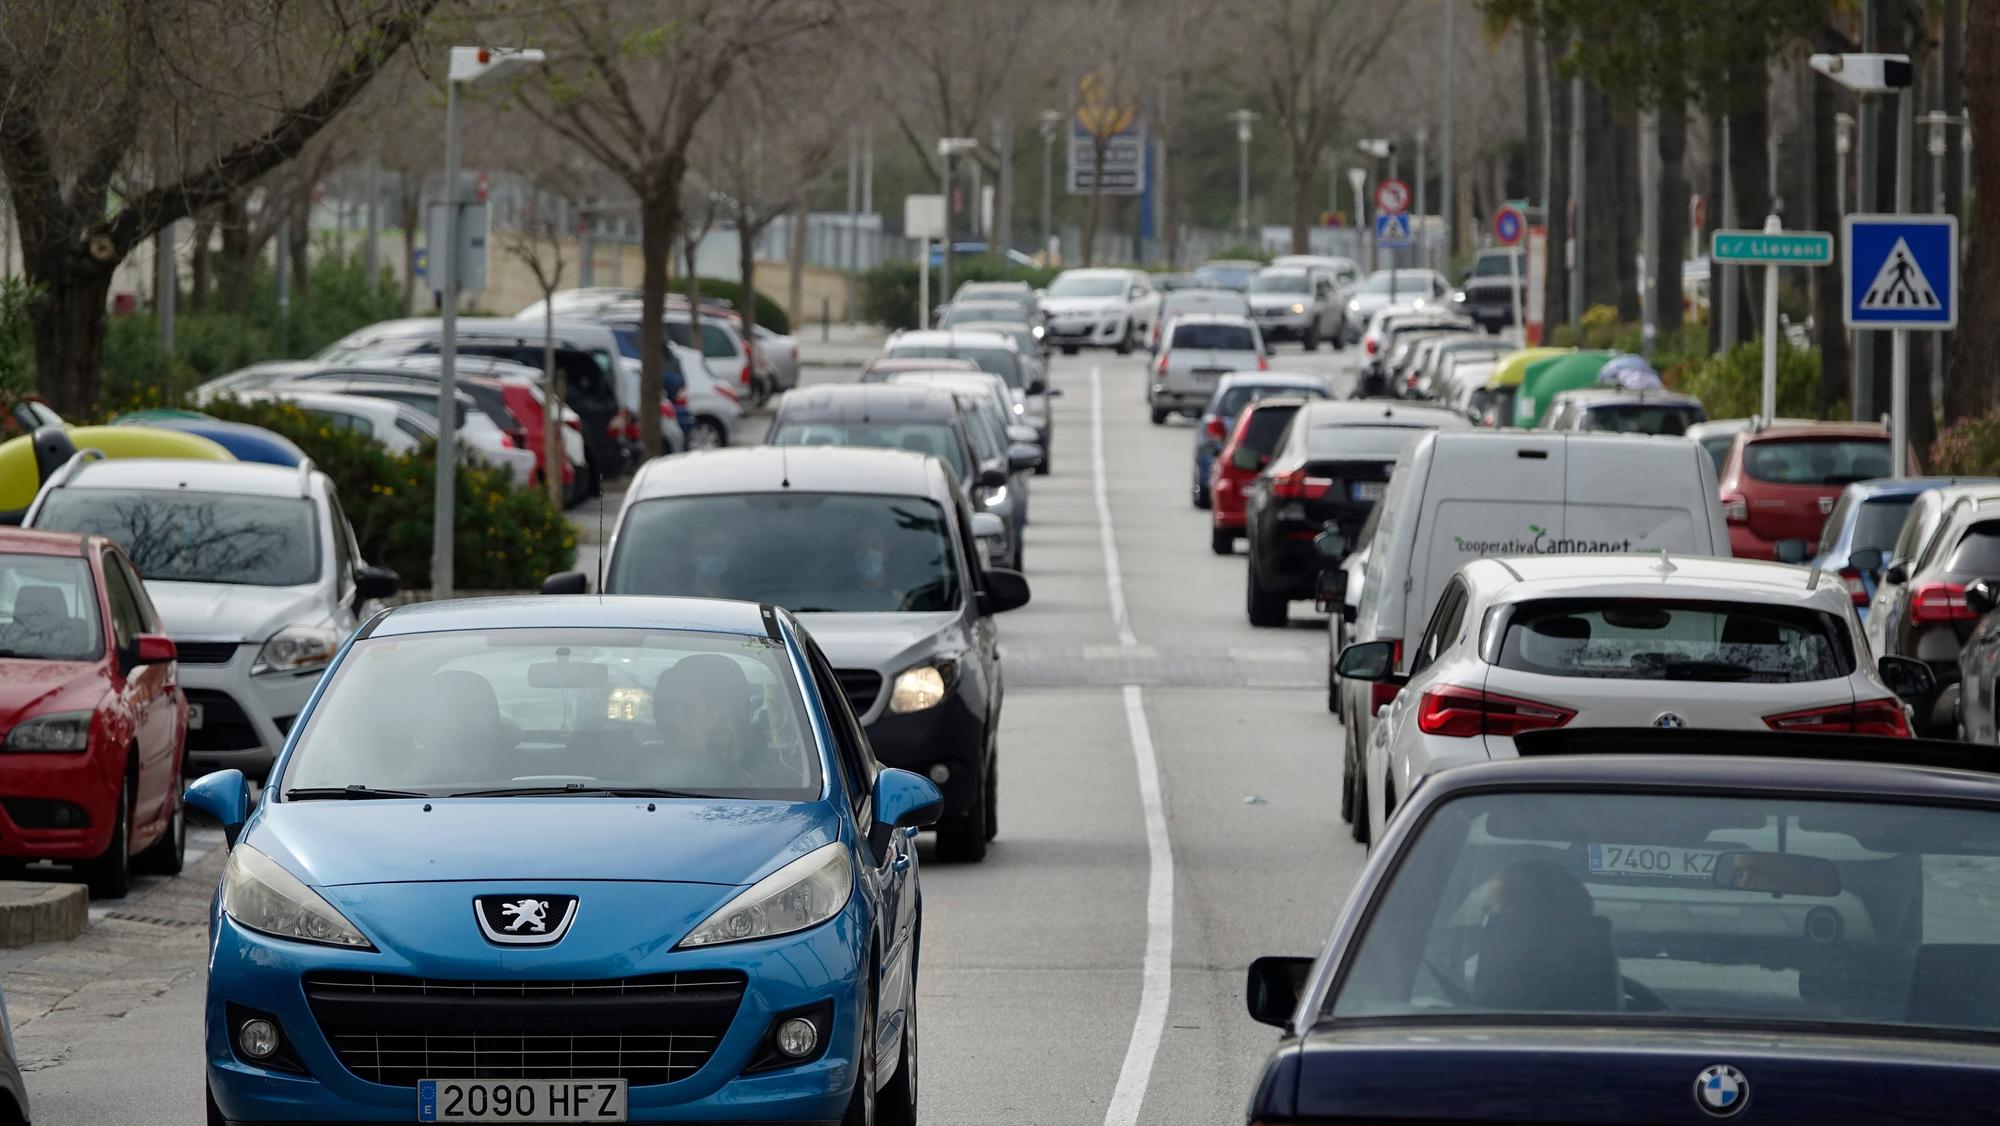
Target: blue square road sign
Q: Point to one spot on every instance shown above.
(1900, 271)
(1392, 232)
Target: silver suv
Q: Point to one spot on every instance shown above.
(1296, 303)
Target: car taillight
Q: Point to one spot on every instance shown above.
(746, 375)
(1932, 603)
(667, 410)
(575, 424)
(727, 392)
(1262, 363)
(1297, 486)
(1160, 365)
(1867, 717)
(1214, 428)
(507, 441)
(1371, 345)
(1379, 694)
(1461, 713)
(681, 397)
(1856, 589)
(1735, 509)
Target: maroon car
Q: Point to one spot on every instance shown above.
(1779, 483)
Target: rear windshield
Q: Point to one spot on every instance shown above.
(1231, 402)
(1362, 443)
(933, 438)
(1879, 521)
(1979, 552)
(1215, 337)
(1817, 461)
(715, 343)
(1266, 425)
(1643, 418)
(1629, 639)
(1206, 302)
(998, 361)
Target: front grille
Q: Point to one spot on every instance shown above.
(206, 652)
(644, 1030)
(861, 687)
(224, 726)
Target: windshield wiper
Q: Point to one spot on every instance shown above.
(576, 790)
(348, 793)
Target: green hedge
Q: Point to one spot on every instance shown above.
(769, 313)
(889, 291)
(1969, 447)
(1731, 384)
(508, 538)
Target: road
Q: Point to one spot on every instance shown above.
(1169, 810)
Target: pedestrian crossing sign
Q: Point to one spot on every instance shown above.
(1392, 232)
(1901, 271)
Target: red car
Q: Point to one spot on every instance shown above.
(1780, 483)
(1258, 427)
(90, 702)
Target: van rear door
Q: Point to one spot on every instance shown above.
(1635, 494)
(1493, 498)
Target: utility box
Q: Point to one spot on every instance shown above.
(475, 230)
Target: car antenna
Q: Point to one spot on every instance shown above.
(784, 469)
(1665, 566)
(600, 550)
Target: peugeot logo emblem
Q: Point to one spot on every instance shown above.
(1721, 1090)
(531, 919)
(1669, 720)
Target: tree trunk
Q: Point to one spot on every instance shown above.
(409, 218)
(1672, 251)
(1622, 203)
(237, 253)
(1555, 192)
(1749, 171)
(1975, 347)
(1951, 95)
(199, 263)
(1712, 212)
(301, 247)
(1821, 212)
(1092, 212)
(1170, 207)
(659, 217)
(67, 324)
(690, 250)
(1534, 176)
(1302, 200)
(795, 287)
(553, 457)
(746, 269)
(1602, 202)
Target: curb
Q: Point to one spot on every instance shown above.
(41, 912)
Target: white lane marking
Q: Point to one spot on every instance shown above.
(1156, 979)
(1114, 581)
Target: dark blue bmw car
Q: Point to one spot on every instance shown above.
(575, 860)
(1660, 927)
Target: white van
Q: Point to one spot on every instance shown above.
(1456, 496)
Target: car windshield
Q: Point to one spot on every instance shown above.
(1493, 265)
(1361, 443)
(1634, 639)
(1656, 907)
(1286, 282)
(1717, 447)
(1817, 461)
(1003, 362)
(1227, 277)
(808, 552)
(715, 341)
(1238, 395)
(1878, 522)
(934, 438)
(51, 609)
(562, 710)
(1086, 285)
(196, 537)
(1643, 418)
(1214, 337)
(1405, 282)
(971, 312)
(1204, 302)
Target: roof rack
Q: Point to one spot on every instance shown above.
(1710, 743)
(306, 468)
(69, 468)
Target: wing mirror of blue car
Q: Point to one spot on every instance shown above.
(566, 582)
(1276, 982)
(1981, 595)
(1370, 661)
(904, 800)
(1868, 560)
(222, 797)
(1004, 590)
(371, 583)
(1907, 677)
(1791, 551)
(1023, 456)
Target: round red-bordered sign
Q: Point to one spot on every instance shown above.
(1392, 197)
(1509, 225)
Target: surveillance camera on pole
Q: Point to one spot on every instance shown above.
(1867, 73)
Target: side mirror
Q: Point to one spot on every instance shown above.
(223, 797)
(904, 800)
(1055, 392)
(986, 526)
(1981, 596)
(1898, 572)
(1868, 560)
(1274, 987)
(1369, 661)
(1005, 590)
(1023, 433)
(992, 477)
(1038, 387)
(1330, 590)
(1331, 544)
(1247, 459)
(1791, 551)
(1023, 456)
(153, 649)
(376, 582)
(1907, 677)
(566, 582)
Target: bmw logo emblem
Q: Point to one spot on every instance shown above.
(1669, 720)
(1721, 1090)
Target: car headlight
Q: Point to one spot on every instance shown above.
(1458, 296)
(258, 893)
(297, 649)
(1020, 408)
(995, 495)
(922, 687)
(1037, 330)
(1298, 308)
(56, 731)
(1354, 306)
(804, 893)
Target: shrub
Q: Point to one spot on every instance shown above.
(769, 313)
(507, 538)
(889, 291)
(1969, 447)
(1731, 384)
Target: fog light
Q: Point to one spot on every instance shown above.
(940, 774)
(796, 1038)
(258, 1038)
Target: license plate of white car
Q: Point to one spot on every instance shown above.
(1660, 861)
(1365, 490)
(194, 717)
(521, 1100)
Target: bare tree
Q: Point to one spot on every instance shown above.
(82, 80)
(537, 244)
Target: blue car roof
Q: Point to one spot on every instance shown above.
(583, 611)
(1904, 486)
(247, 442)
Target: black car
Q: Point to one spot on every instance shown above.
(875, 551)
(1489, 301)
(1921, 609)
(1327, 472)
(1660, 926)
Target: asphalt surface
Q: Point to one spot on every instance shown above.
(1168, 811)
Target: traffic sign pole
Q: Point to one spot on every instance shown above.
(1771, 223)
(1508, 226)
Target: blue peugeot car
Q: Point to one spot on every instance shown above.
(569, 859)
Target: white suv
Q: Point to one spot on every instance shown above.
(1100, 309)
(1531, 643)
(254, 571)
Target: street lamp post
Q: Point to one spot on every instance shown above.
(1358, 177)
(468, 64)
(1243, 118)
(947, 148)
(1938, 143)
(1049, 119)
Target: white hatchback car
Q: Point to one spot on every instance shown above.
(1196, 351)
(1530, 643)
